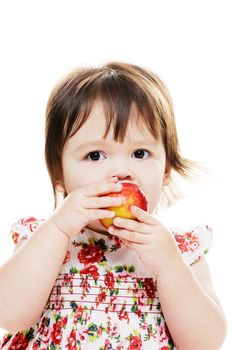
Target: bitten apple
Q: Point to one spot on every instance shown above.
(132, 195)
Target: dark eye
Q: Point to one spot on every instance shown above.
(94, 156)
(139, 153)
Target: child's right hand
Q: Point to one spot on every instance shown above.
(82, 206)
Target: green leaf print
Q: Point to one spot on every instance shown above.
(150, 332)
(136, 332)
(171, 344)
(158, 306)
(118, 269)
(134, 308)
(140, 284)
(113, 248)
(103, 261)
(114, 291)
(30, 334)
(118, 338)
(92, 332)
(73, 270)
(57, 317)
(73, 305)
(91, 241)
(131, 268)
(51, 346)
(101, 243)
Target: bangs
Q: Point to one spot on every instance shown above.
(124, 101)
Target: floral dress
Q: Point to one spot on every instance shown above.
(103, 298)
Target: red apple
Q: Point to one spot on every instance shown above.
(132, 195)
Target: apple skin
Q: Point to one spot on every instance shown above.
(132, 195)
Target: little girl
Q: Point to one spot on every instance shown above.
(73, 284)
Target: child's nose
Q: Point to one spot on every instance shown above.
(123, 174)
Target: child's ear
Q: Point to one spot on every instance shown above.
(167, 174)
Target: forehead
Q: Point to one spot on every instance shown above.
(95, 127)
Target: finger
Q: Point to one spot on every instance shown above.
(131, 225)
(99, 214)
(131, 236)
(101, 188)
(102, 202)
(144, 217)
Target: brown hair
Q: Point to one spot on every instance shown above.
(120, 87)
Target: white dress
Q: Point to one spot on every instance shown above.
(103, 298)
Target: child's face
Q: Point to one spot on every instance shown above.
(139, 159)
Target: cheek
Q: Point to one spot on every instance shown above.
(153, 189)
(154, 195)
(76, 177)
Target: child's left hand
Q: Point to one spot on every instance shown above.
(153, 242)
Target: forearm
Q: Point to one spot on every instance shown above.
(195, 321)
(27, 278)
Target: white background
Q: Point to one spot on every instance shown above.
(188, 43)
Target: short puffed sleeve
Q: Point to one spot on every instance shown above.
(195, 243)
(24, 228)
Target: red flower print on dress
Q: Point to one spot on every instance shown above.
(36, 345)
(71, 341)
(164, 334)
(91, 270)
(5, 340)
(26, 221)
(56, 334)
(135, 343)
(68, 279)
(43, 322)
(188, 242)
(67, 257)
(182, 244)
(123, 314)
(64, 321)
(119, 347)
(30, 222)
(19, 342)
(15, 237)
(150, 289)
(46, 335)
(109, 280)
(78, 314)
(100, 331)
(90, 254)
(101, 297)
(85, 285)
(44, 330)
(165, 348)
(107, 345)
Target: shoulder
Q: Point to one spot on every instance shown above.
(194, 243)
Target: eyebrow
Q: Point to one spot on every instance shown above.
(104, 142)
